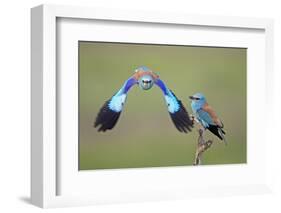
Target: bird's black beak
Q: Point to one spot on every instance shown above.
(191, 97)
(194, 98)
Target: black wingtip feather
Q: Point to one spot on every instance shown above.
(181, 119)
(106, 118)
(215, 130)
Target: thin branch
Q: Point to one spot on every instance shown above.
(202, 146)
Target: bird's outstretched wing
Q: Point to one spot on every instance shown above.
(112, 108)
(177, 111)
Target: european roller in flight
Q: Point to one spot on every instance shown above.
(145, 79)
(206, 116)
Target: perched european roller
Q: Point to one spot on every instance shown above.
(145, 78)
(206, 116)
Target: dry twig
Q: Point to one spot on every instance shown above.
(202, 146)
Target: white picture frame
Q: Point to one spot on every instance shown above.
(45, 178)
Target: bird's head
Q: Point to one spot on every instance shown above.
(146, 82)
(197, 100)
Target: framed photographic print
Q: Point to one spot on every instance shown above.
(132, 105)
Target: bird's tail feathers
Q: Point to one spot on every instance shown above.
(222, 133)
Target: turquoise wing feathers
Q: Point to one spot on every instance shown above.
(205, 118)
(177, 111)
(112, 108)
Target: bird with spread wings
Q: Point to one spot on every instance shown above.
(145, 78)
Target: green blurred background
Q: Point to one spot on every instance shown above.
(145, 135)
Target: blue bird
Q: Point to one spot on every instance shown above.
(145, 78)
(206, 115)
